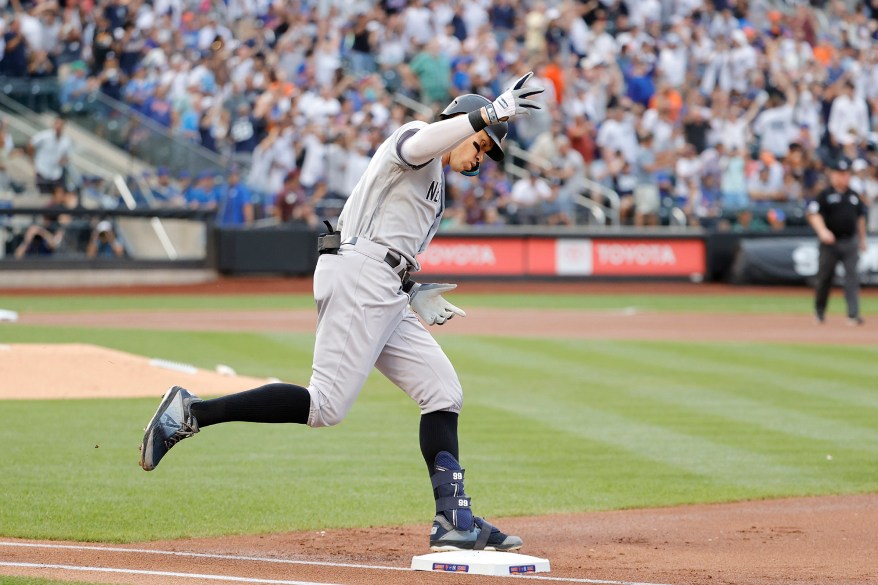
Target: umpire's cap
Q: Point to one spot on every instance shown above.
(841, 163)
(471, 102)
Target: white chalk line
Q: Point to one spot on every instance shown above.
(259, 560)
(158, 574)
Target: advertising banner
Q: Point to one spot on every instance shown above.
(541, 256)
(659, 257)
(793, 261)
(475, 257)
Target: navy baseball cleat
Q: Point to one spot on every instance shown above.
(445, 537)
(171, 423)
(455, 527)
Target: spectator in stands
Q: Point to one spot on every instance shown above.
(696, 121)
(775, 125)
(111, 78)
(581, 133)
(40, 65)
(75, 88)
(102, 43)
(292, 203)
(868, 184)
(766, 185)
(733, 183)
(431, 74)
(569, 173)
(645, 201)
(660, 122)
(293, 70)
(44, 237)
(625, 180)
(15, 54)
(707, 206)
(640, 79)
(235, 202)
(544, 148)
(313, 169)
(70, 37)
(364, 42)
(165, 191)
(158, 107)
(138, 89)
(527, 198)
(103, 242)
(617, 133)
(687, 172)
(473, 213)
(245, 132)
(50, 149)
(799, 166)
(673, 61)
(730, 124)
(793, 188)
(848, 116)
(203, 193)
(185, 183)
(7, 148)
(357, 159)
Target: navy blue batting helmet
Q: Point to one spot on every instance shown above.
(471, 102)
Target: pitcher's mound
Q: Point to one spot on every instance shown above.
(77, 370)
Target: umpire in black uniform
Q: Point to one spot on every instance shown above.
(838, 215)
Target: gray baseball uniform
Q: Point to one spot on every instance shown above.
(363, 318)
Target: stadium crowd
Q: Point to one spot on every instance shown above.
(728, 110)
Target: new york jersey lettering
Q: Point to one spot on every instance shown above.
(433, 192)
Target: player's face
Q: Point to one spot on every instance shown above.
(471, 152)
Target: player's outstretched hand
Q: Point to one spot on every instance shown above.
(514, 101)
(426, 300)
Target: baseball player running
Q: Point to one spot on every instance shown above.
(363, 294)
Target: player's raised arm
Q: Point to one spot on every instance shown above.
(453, 128)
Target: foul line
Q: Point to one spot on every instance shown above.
(158, 574)
(202, 555)
(254, 559)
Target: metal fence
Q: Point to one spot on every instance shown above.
(116, 122)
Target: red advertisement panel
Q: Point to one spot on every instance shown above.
(541, 257)
(475, 256)
(648, 257)
(563, 257)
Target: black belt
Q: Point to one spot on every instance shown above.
(394, 264)
(391, 260)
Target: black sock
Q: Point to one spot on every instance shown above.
(438, 433)
(272, 403)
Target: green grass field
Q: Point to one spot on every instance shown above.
(549, 426)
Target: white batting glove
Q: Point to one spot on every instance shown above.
(514, 102)
(426, 300)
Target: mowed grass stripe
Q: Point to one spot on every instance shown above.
(715, 301)
(671, 432)
(843, 408)
(696, 454)
(752, 368)
(756, 414)
(517, 463)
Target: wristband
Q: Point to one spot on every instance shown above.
(477, 121)
(492, 114)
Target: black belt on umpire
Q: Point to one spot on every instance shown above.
(331, 243)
